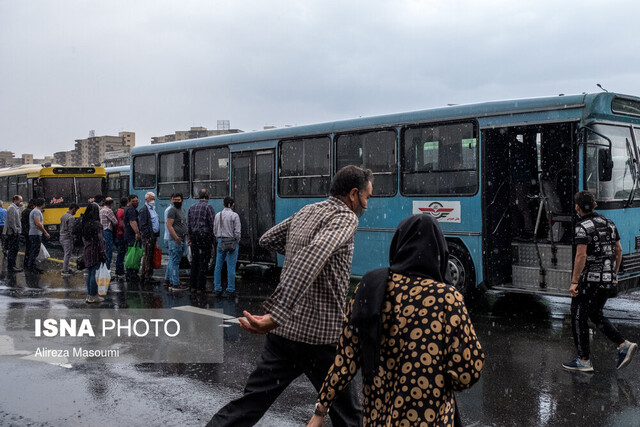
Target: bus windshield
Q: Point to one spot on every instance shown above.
(88, 188)
(618, 184)
(57, 192)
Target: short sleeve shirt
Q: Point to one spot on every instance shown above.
(600, 235)
(33, 230)
(130, 214)
(179, 222)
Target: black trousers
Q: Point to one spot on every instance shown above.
(588, 305)
(12, 244)
(201, 246)
(281, 362)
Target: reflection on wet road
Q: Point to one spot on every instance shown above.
(525, 340)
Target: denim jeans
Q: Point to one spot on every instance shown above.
(121, 252)
(166, 271)
(231, 258)
(108, 243)
(92, 285)
(173, 268)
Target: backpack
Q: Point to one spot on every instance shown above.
(76, 231)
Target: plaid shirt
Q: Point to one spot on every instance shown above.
(309, 301)
(200, 218)
(108, 218)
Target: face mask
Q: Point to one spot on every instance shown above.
(134, 204)
(20, 204)
(152, 203)
(177, 205)
(361, 209)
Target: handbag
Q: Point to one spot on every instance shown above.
(157, 258)
(133, 257)
(228, 244)
(80, 263)
(103, 277)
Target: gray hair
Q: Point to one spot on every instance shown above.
(150, 193)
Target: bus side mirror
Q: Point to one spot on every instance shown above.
(605, 165)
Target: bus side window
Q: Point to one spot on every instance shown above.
(304, 167)
(144, 171)
(211, 171)
(173, 176)
(372, 150)
(23, 187)
(4, 194)
(445, 160)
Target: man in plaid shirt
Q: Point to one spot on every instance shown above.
(200, 233)
(306, 311)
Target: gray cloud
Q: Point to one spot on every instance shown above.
(154, 67)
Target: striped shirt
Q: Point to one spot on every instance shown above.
(309, 301)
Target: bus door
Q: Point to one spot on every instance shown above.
(253, 186)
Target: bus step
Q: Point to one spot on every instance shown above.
(556, 280)
(526, 255)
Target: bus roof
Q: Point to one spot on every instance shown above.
(455, 112)
(21, 170)
(117, 169)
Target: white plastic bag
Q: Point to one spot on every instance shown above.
(43, 254)
(189, 253)
(103, 277)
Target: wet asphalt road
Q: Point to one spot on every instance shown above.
(525, 340)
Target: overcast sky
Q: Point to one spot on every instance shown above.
(156, 66)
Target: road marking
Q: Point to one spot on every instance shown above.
(197, 310)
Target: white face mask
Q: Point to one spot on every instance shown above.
(152, 203)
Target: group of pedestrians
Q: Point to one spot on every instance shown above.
(30, 224)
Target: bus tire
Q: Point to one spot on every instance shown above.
(462, 272)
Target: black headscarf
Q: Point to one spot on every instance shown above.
(418, 249)
(91, 222)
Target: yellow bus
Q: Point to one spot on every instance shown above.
(59, 186)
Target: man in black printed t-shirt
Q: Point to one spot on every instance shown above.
(595, 270)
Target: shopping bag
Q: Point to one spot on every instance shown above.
(189, 253)
(43, 254)
(133, 257)
(157, 258)
(103, 277)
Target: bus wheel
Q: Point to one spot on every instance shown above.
(461, 270)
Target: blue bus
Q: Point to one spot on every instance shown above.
(498, 176)
(118, 178)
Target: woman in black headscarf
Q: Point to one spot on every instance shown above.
(409, 330)
(94, 249)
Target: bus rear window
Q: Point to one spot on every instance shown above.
(440, 160)
(144, 171)
(304, 167)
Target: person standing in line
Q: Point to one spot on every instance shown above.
(36, 231)
(94, 250)
(167, 238)
(410, 304)
(177, 225)
(131, 230)
(66, 236)
(109, 223)
(226, 227)
(594, 279)
(11, 232)
(3, 218)
(149, 230)
(121, 246)
(200, 231)
(306, 311)
(24, 221)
